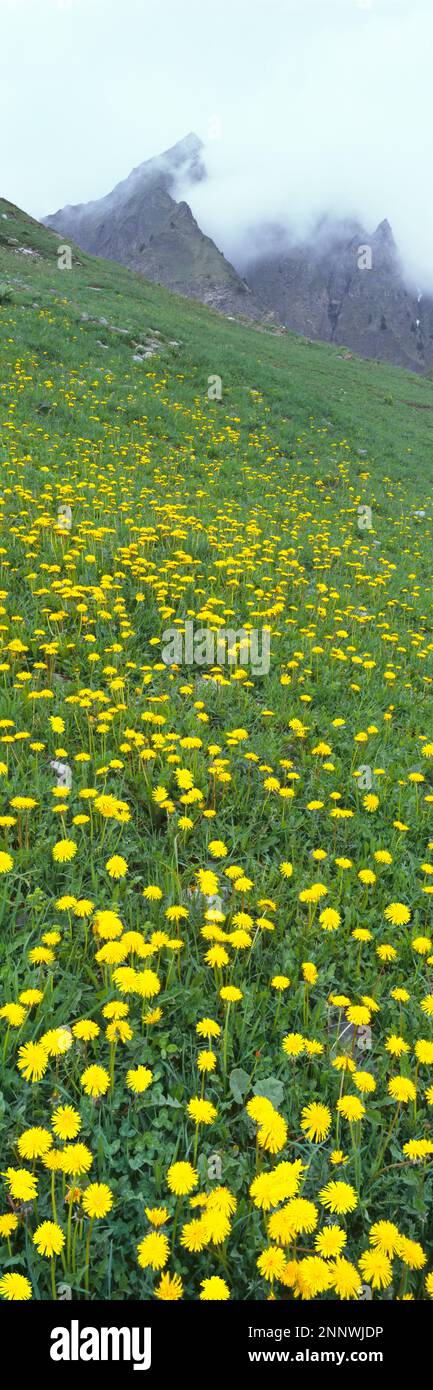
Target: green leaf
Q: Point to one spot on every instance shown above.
(239, 1083)
(271, 1088)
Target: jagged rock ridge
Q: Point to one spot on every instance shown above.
(348, 287)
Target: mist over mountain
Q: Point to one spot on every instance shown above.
(332, 279)
(303, 107)
(346, 285)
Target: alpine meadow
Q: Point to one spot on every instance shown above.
(216, 874)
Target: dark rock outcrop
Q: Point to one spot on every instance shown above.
(347, 287)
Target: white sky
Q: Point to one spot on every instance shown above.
(324, 105)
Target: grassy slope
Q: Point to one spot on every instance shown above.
(276, 465)
(379, 408)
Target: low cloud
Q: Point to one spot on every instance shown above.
(317, 107)
(341, 126)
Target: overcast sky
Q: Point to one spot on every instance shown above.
(317, 105)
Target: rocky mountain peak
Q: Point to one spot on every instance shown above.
(141, 224)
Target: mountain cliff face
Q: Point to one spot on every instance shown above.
(342, 285)
(141, 225)
(347, 287)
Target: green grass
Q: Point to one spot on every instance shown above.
(251, 504)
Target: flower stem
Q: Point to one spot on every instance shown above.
(86, 1276)
(226, 1040)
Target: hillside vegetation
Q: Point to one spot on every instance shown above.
(216, 941)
